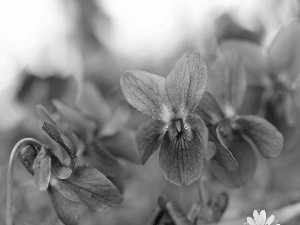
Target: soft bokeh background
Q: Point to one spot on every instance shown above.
(47, 47)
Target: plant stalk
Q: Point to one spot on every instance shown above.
(14, 154)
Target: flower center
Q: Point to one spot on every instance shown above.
(180, 134)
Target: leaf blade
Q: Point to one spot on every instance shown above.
(93, 188)
(65, 209)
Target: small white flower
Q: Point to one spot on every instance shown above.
(261, 219)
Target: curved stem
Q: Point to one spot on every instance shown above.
(15, 152)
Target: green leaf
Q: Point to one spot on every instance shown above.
(91, 101)
(209, 109)
(253, 57)
(284, 52)
(54, 133)
(42, 169)
(93, 188)
(65, 209)
(122, 144)
(148, 138)
(146, 92)
(265, 137)
(181, 155)
(246, 159)
(223, 155)
(186, 83)
(227, 82)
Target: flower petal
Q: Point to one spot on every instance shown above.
(186, 83)
(250, 221)
(270, 220)
(254, 58)
(263, 216)
(284, 52)
(223, 155)
(42, 169)
(209, 109)
(246, 159)
(65, 209)
(148, 138)
(227, 81)
(256, 217)
(267, 139)
(181, 156)
(146, 92)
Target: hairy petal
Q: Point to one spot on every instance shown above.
(186, 83)
(181, 155)
(146, 92)
(209, 109)
(65, 209)
(266, 138)
(148, 138)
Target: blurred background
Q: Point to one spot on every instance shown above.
(49, 47)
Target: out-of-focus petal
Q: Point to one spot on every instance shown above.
(227, 81)
(267, 139)
(209, 109)
(223, 155)
(246, 159)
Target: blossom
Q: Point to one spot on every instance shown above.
(180, 135)
(219, 109)
(261, 219)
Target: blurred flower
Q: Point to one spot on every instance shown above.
(261, 219)
(227, 83)
(180, 134)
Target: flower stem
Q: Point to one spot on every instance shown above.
(14, 154)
